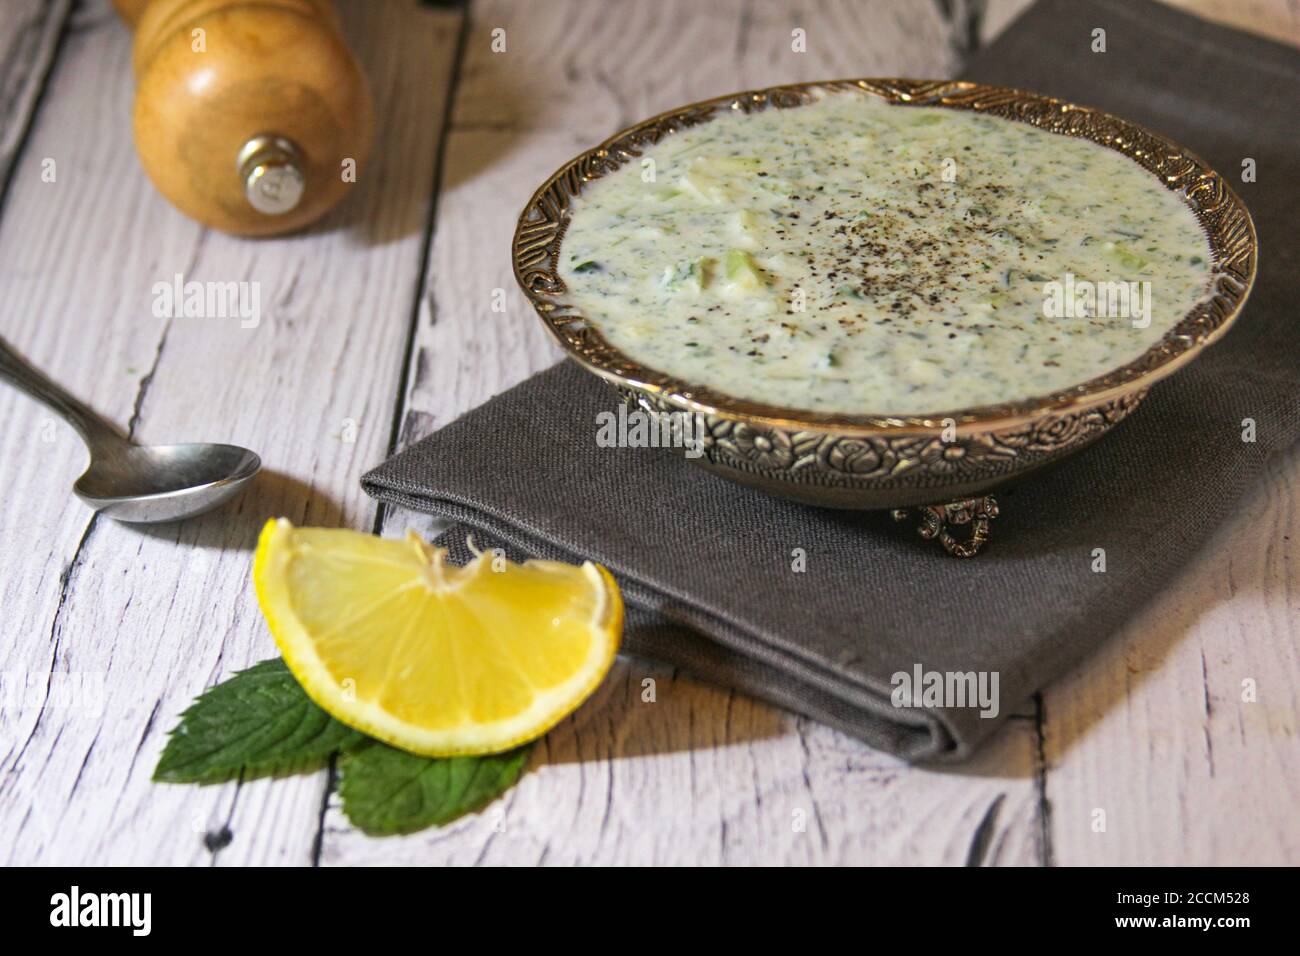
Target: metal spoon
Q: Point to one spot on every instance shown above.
(137, 483)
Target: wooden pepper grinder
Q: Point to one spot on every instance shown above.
(251, 116)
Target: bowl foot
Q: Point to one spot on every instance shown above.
(937, 521)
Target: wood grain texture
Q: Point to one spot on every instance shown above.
(29, 37)
(156, 616)
(704, 776)
(390, 318)
(591, 69)
(1158, 730)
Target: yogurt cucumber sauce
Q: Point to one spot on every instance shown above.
(855, 257)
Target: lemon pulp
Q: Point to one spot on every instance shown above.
(437, 659)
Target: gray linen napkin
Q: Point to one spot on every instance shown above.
(706, 566)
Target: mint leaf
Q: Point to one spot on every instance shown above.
(257, 722)
(261, 722)
(387, 791)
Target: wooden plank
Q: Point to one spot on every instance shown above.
(156, 616)
(72, 320)
(702, 775)
(1155, 731)
(29, 35)
(589, 69)
(29, 39)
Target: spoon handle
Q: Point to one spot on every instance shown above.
(97, 433)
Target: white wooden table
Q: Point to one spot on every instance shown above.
(378, 328)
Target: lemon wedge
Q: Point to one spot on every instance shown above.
(433, 658)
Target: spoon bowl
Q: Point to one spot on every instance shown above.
(152, 483)
(140, 484)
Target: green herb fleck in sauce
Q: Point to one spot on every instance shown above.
(827, 258)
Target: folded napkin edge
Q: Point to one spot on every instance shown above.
(942, 742)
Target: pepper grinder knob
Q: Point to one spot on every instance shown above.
(271, 169)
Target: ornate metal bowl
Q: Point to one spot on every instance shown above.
(942, 464)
